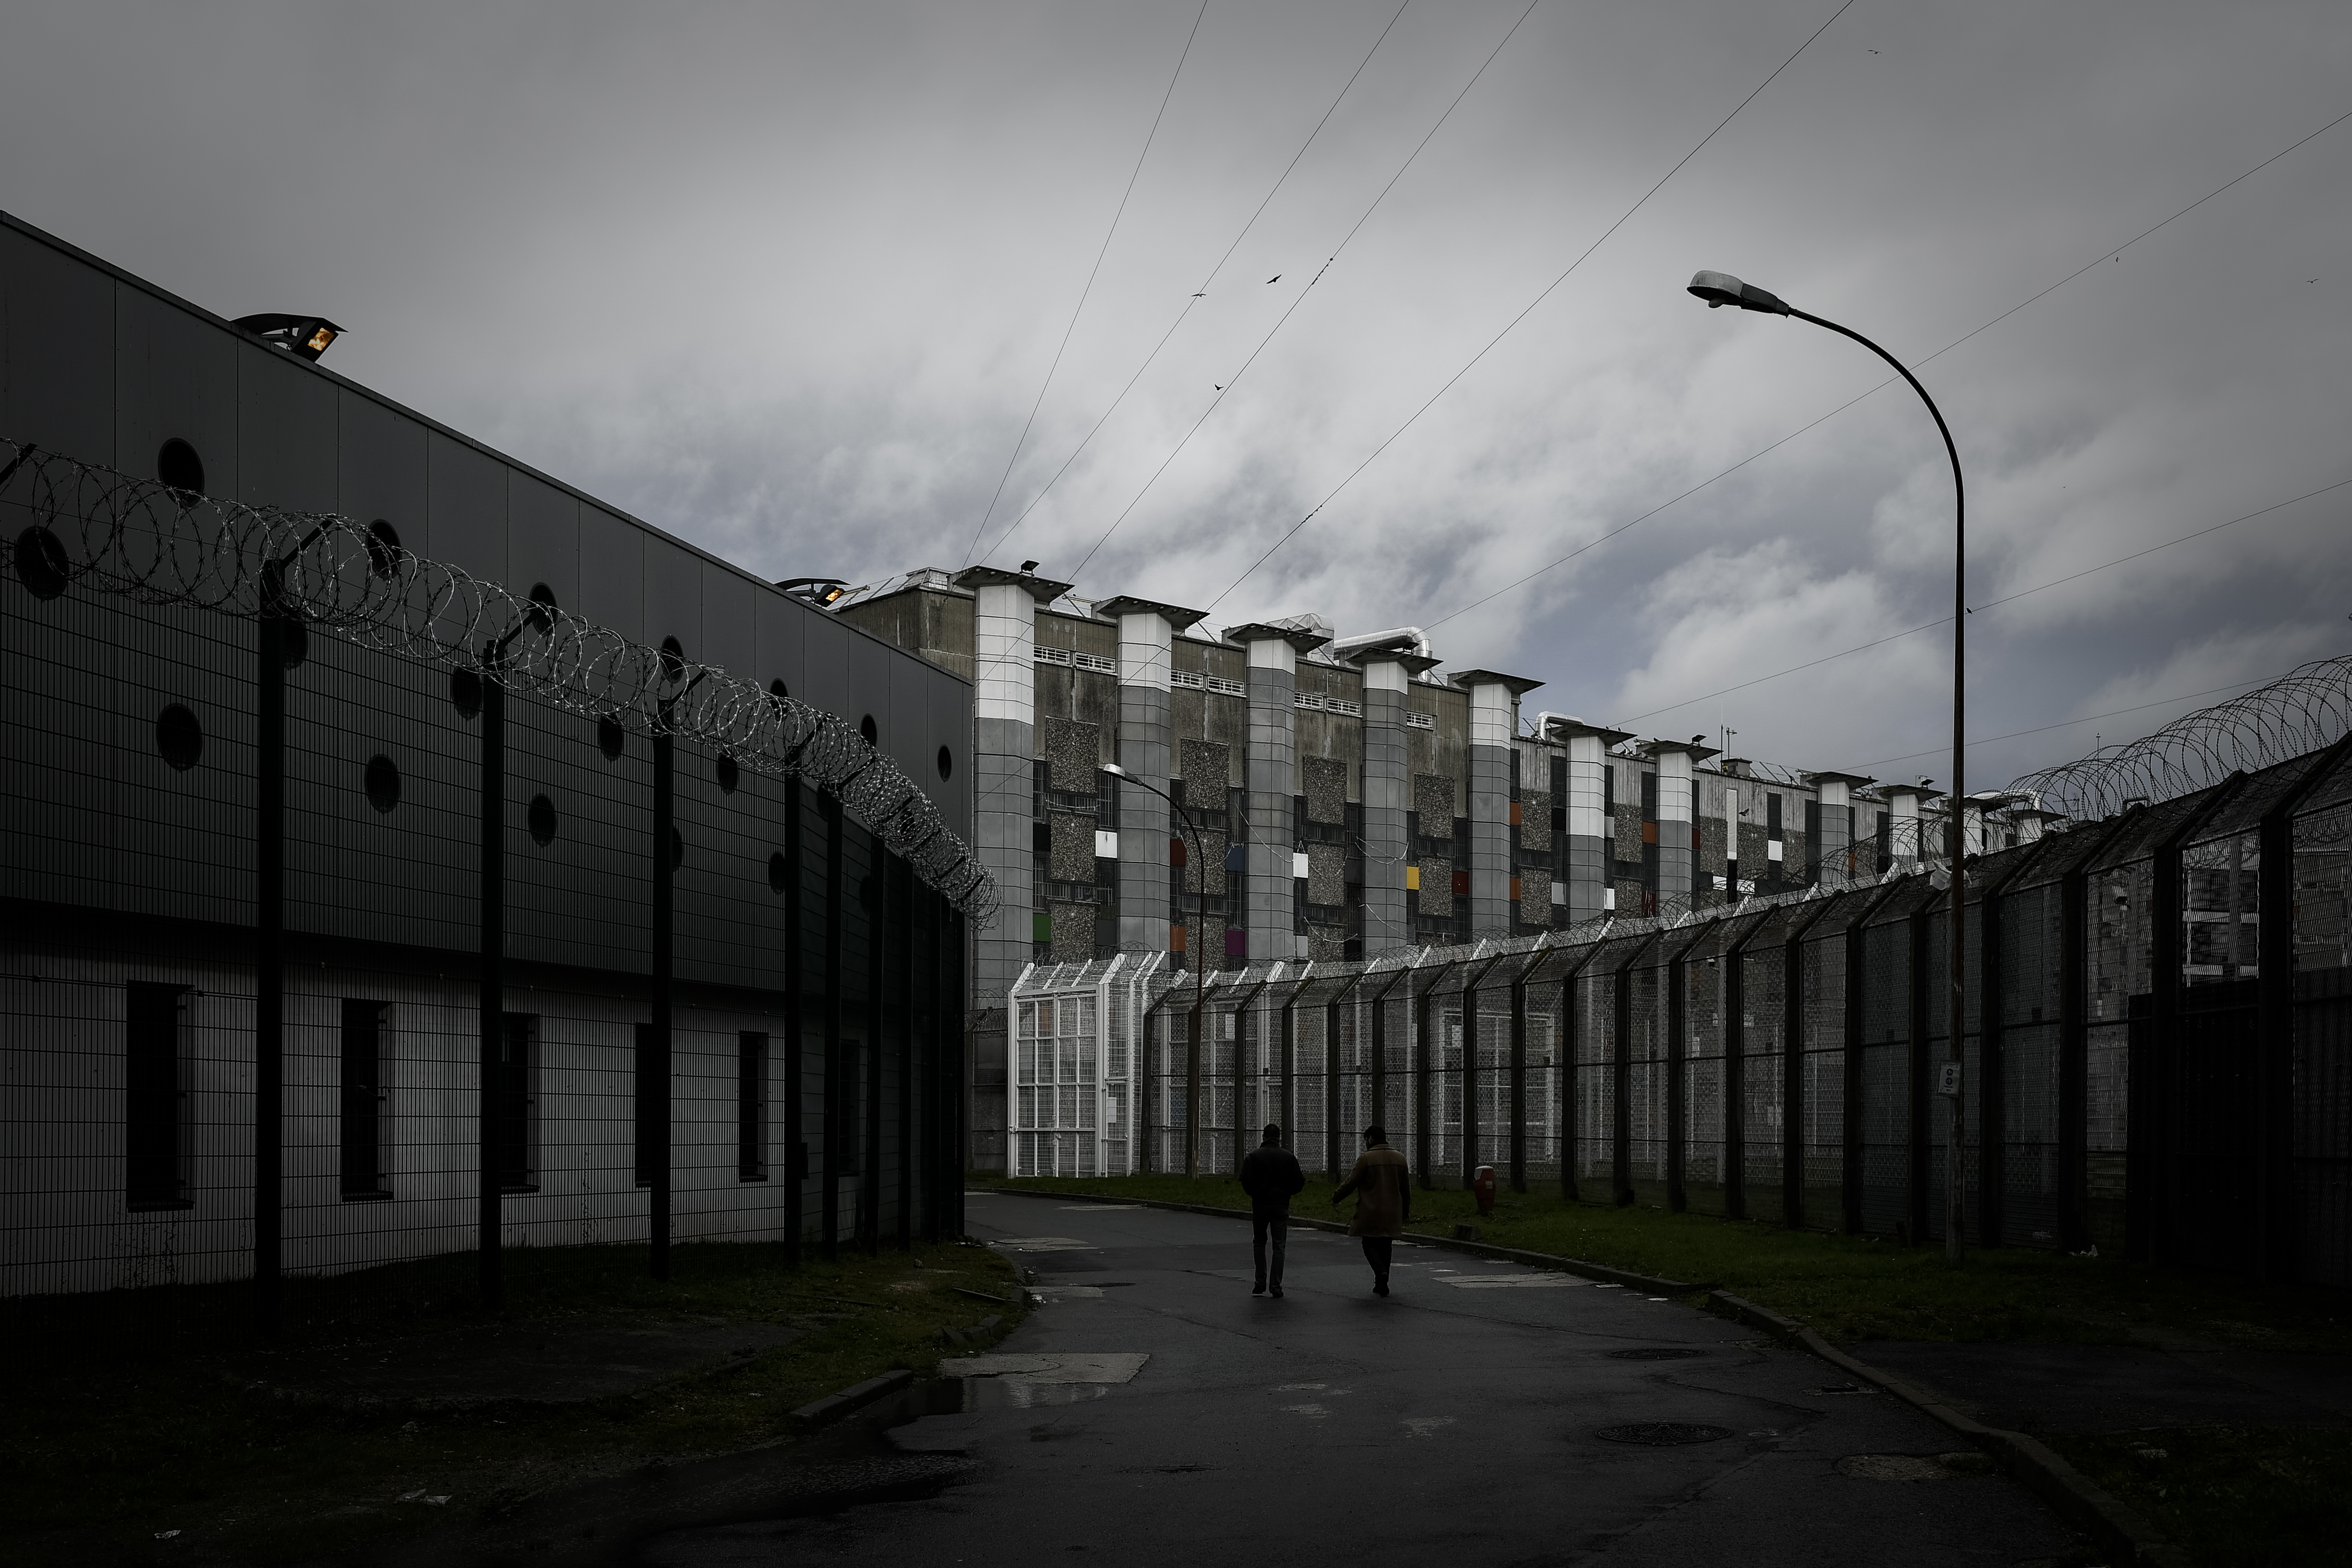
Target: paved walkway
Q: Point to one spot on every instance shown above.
(1155, 1412)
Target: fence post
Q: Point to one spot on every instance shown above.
(492, 897)
(1331, 1078)
(1289, 1116)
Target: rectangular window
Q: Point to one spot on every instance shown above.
(1771, 814)
(363, 1099)
(751, 1107)
(154, 1174)
(648, 1152)
(517, 1144)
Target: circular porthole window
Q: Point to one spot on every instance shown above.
(177, 464)
(729, 775)
(542, 821)
(779, 873)
(865, 726)
(947, 764)
(778, 688)
(382, 543)
(677, 847)
(541, 609)
(41, 563)
(383, 783)
(610, 738)
(465, 693)
(179, 738)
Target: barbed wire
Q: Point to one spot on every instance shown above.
(2303, 710)
(148, 541)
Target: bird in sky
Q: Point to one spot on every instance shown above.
(1275, 279)
(1202, 295)
(1218, 385)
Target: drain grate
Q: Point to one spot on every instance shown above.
(1663, 1433)
(1656, 1353)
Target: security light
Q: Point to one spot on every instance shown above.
(1028, 566)
(816, 590)
(305, 337)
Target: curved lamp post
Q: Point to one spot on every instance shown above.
(1200, 971)
(1720, 289)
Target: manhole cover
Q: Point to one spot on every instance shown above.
(1663, 1433)
(1656, 1353)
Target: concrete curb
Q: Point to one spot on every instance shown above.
(834, 1406)
(2072, 1494)
(1599, 1271)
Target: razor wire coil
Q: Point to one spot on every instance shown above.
(145, 541)
(2307, 709)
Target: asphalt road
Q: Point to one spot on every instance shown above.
(1450, 1422)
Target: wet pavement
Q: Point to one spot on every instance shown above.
(1153, 1411)
(2048, 1389)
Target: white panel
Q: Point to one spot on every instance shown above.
(1491, 714)
(1144, 643)
(1298, 866)
(1106, 845)
(1674, 786)
(1004, 644)
(1273, 653)
(1587, 790)
(1383, 675)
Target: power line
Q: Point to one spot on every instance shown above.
(1094, 272)
(1891, 381)
(2066, 724)
(1196, 297)
(1234, 379)
(1531, 305)
(1990, 603)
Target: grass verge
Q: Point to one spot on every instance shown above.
(1849, 1287)
(2235, 1496)
(134, 1413)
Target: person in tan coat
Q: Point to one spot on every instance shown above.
(1383, 1191)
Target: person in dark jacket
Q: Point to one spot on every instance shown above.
(1269, 1176)
(1384, 1190)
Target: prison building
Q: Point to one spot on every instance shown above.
(2157, 1047)
(334, 937)
(1288, 796)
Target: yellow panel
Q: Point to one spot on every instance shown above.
(1412, 879)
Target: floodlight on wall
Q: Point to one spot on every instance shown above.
(818, 591)
(305, 337)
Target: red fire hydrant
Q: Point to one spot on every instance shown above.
(1483, 1185)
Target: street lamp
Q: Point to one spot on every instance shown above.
(1720, 289)
(1200, 973)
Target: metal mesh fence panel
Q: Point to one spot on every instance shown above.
(2032, 942)
(1595, 998)
(2118, 910)
(1704, 1074)
(1545, 1073)
(2321, 1149)
(1647, 1086)
(1886, 1080)
(1821, 1078)
(1763, 966)
(1936, 982)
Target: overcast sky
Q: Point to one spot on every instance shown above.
(788, 283)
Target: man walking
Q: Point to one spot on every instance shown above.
(1269, 1175)
(1384, 1202)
